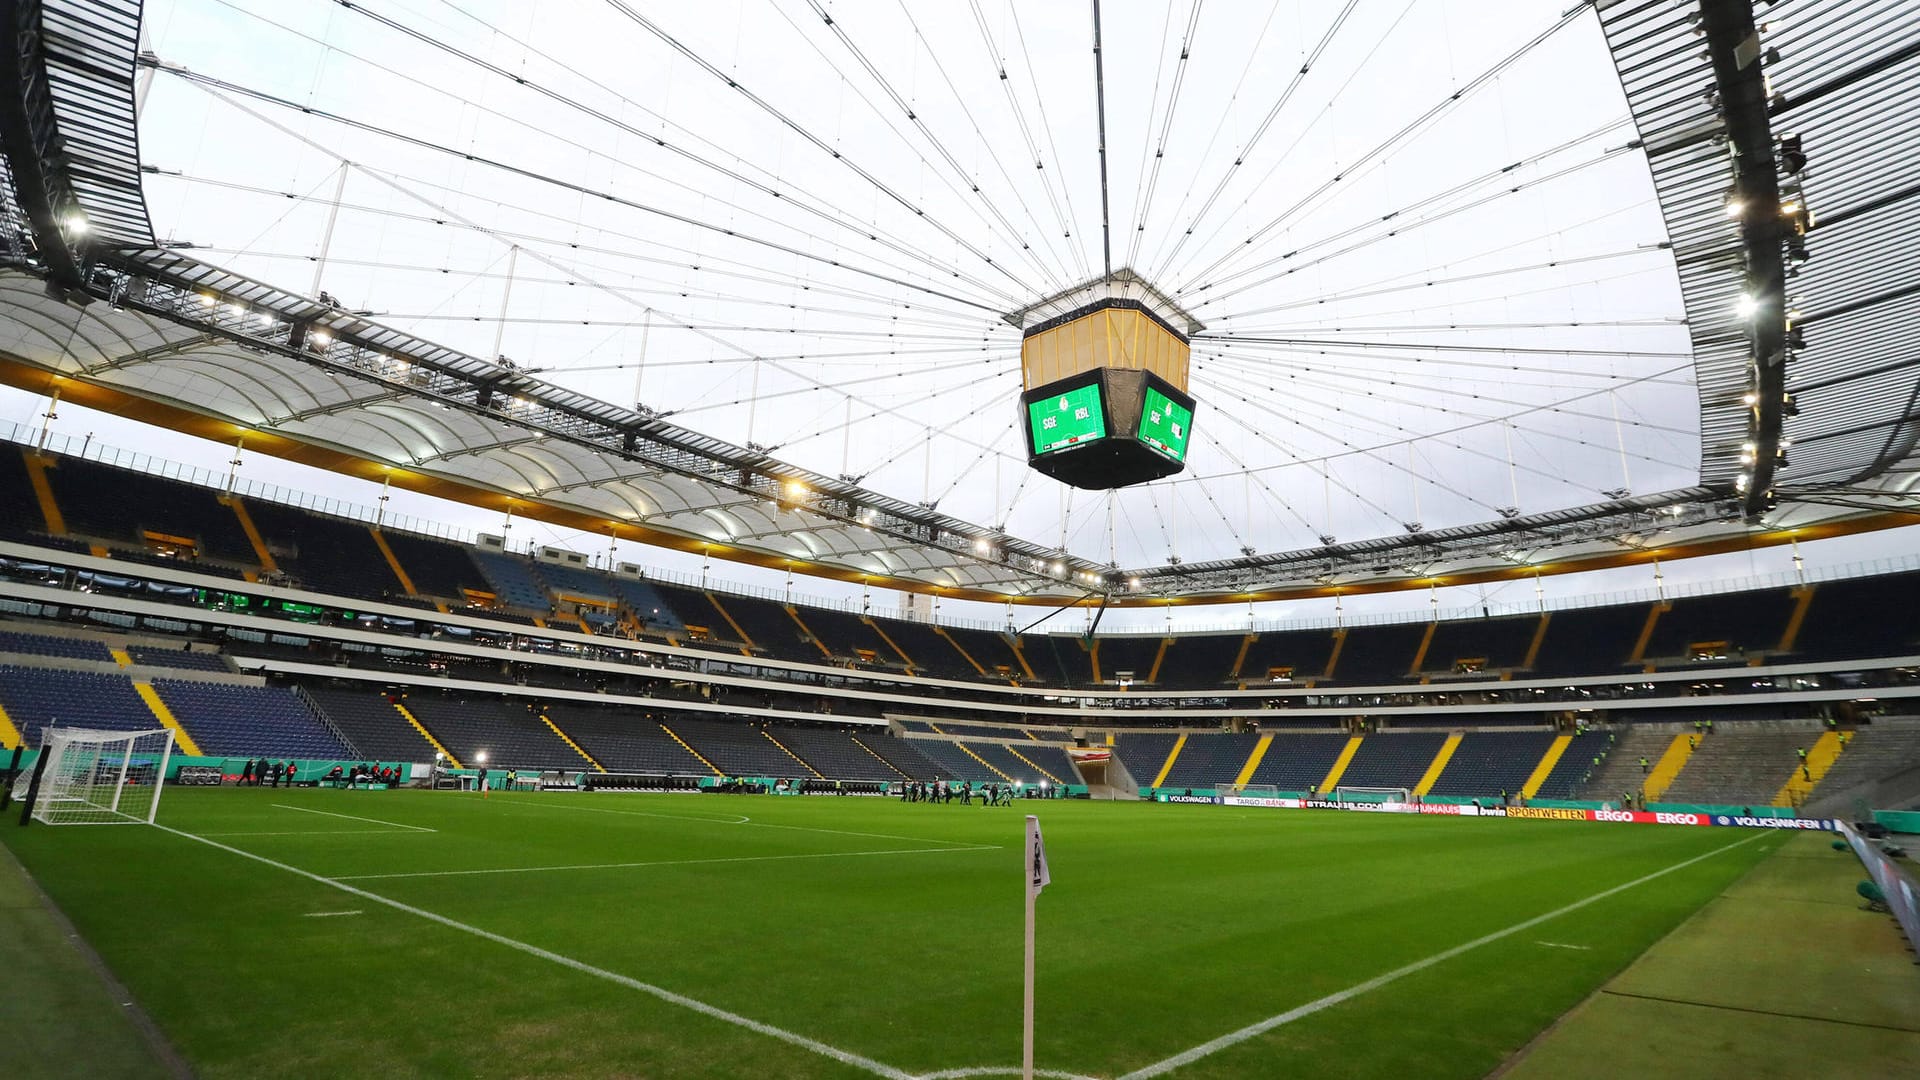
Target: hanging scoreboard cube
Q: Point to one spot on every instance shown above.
(1104, 370)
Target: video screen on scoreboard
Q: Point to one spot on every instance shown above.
(1165, 424)
(1072, 417)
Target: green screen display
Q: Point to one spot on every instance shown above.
(1069, 418)
(1165, 425)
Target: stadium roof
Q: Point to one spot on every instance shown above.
(1444, 340)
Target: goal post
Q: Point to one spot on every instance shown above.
(86, 777)
(1373, 794)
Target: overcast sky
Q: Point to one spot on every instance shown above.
(1439, 216)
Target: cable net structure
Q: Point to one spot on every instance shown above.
(752, 280)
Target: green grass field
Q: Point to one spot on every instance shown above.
(666, 936)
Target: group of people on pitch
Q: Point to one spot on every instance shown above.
(270, 773)
(941, 791)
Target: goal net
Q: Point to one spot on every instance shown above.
(1255, 791)
(97, 777)
(1373, 794)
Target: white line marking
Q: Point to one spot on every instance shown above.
(1558, 945)
(331, 914)
(666, 862)
(989, 1070)
(352, 817)
(322, 832)
(701, 1007)
(1233, 1038)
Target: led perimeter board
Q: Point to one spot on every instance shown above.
(1108, 428)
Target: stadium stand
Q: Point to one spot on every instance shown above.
(1739, 765)
(1859, 617)
(120, 506)
(1297, 762)
(1733, 625)
(1379, 655)
(510, 579)
(649, 607)
(1572, 769)
(1059, 659)
(1492, 763)
(324, 553)
(951, 762)
(771, 629)
(1589, 641)
(1395, 759)
(849, 637)
(975, 732)
(1299, 654)
(1144, 754)
(1008, 765)
(833, 753)
(735, 748)
(22, 521)
(623, 740)
(694, 608)
(507, 731)
(1619, 769)
(929, 651)
(1212, 759)
(1200, 661)
(371, 724)
(436, 567)
(238, 721)
(991, 650)
(64, 648)
(1133, 653)
(1873, 753)
(902, 754)
(148, 656)
(1490, 645)
(35, 697)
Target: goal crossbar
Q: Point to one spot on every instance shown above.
(88, 777)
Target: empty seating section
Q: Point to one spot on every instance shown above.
(1392, 760)
(114, 504)
(1496, 644)
(436, 567)
(848, 636)
(36, 697)
(648, 605)
(1873, 753)
(625, 740)
(147, 656)
(989, 649)
(980, 732)
(734, 747)
(1011, 767)
(773, 630)
(1050, 758)
(1747, 622)
(1199, 662)
(1143, 755)
(1303, 652)
(1571, 769)
(1861, 617)
(1059, 659)
(1589, 641)
(833, 753)
(1488, 763)
(695, 608)
(1296, 762)
(371, 723)
(1210, 760)
(1131, 653)
(22, 519)
(323, 553)
(65, 648)
(928, 651)
(1378, 655)
(508, 732)
(510, 579)
(950, 762)
(1739, 766)
(562, 579)
(903, 754)
(238, 721)
(1619, 769)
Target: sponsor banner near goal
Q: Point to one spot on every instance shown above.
(1548, 813)
(1272, 804)
(198, 776)
(1741, 821)
(1363, 807)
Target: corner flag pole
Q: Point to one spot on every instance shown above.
(1037, 879)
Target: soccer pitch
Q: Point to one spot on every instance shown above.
(309, 932)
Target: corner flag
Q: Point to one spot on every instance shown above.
(1037, 879)
(1037, 876)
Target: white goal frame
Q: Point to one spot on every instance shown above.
(1255, 791)
(87, 777)
(1394, 794)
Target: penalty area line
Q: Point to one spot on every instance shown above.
(1301, 1012)
(664, 862)
(845, 1057)
(354, 817)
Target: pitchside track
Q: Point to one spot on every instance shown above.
(299, 933)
